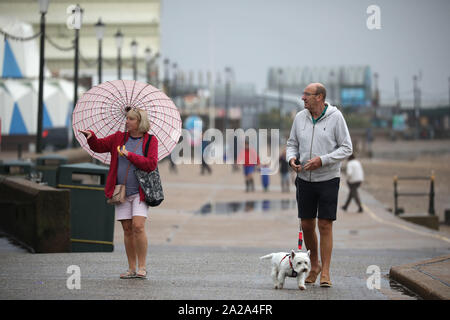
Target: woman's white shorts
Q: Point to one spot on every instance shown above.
(131, 207)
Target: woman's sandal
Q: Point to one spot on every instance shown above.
(313, 276)
(128, 275)
(141, 274)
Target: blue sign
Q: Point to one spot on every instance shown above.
(353, 97)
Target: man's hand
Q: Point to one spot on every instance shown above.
(313, 164)
(294, 166)
(87, 134)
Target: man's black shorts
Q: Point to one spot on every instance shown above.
(317, 197)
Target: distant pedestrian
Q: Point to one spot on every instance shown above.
(284, 172)
(320, 137)
(172, 165)
(265, 181)
(355, 176)
(205, 166)
(250, 160)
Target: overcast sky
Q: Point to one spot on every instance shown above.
(253, 35)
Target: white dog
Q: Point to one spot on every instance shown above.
(289, 265)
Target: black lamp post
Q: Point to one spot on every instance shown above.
(134, 48)
(100, 32)
(119, 42)
(227, 95)
(43, 7)
(174, 79)
(280, 98)
(77, 11)
(416, 93)
(166, 77)
(148, 61)
(154, 67)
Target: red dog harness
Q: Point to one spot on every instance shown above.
(294, 274)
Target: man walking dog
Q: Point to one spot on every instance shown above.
(320, 140)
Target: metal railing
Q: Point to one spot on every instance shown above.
(430, 194)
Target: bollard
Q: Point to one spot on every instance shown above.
(431, 203)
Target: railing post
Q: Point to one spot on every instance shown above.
(395, 196)
(431, 204)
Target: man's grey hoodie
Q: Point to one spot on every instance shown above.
(328, 138)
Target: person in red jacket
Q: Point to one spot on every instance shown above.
(127, 154)
(250, 160)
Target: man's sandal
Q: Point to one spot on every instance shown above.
(141, 274)
(325, 282)
(128, 275)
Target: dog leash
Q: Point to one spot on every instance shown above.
(300, 237)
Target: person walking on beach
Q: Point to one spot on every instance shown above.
(132, 213)
(249, 158)
(284, 172)
(319, 135)
(265, 173)
(205, 166)
(355, 176)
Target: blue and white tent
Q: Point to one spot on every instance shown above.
(19, 71)
(18, 105)
(18, 59)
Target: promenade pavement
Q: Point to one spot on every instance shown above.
(194, 255)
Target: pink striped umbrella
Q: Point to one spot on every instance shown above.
(103, 110)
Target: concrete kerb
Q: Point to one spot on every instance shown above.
(430, 279)
(426, 284)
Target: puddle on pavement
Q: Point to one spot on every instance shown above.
(401, 289)
(247, 206)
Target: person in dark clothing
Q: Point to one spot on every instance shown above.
(284, 172)
(205, 166)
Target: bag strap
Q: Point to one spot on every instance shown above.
(147, 144)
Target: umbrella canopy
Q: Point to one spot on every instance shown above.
(103, 110)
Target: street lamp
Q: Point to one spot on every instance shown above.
(134, 48)
(119, 42)
(227, 95)
(148, 60)
(174, 79)
(100, 32)
(77, 11)
(280, 98)
(154, 78)
(43, 7)
(416, 94)
(166, 77)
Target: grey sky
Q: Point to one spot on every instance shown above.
(253, 35)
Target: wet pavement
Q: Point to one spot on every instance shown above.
(204, 243)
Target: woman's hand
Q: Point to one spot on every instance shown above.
(123, 151)
(87, 134)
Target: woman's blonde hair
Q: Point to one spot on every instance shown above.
(141, 116)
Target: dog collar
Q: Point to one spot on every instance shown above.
(294, 273)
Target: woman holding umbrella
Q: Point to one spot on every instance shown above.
(127, 153)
